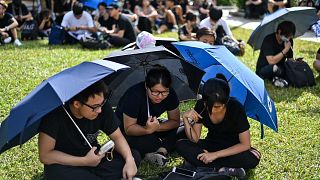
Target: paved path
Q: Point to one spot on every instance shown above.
(252, 24)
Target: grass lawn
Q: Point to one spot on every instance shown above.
(292, 153)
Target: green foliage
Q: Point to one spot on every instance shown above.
(292, 153)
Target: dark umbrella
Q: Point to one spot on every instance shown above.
(23, 121)
(302, 17)
(186, 77)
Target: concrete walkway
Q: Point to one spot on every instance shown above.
(252, 24)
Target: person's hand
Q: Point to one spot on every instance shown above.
(287, 46)
(152, 124)
(130, 169)
(191, 114)
(207, 157)
(93, 159)
(4, 34)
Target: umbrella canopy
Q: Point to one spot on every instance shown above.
(24, 119)
(185, 76)
(94, 3)
(302, 17)
(245, 85)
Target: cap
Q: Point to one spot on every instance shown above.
(145, 40)
(4, 4)
(113, 6)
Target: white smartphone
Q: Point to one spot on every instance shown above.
(184, 172)
(106, 147)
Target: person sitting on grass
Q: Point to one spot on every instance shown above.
(275, 49)
(138, 110)
(8, 26)
(206, 35)
(316, 63)
(227, 146)
(65, 153)
(188, 31)
(45, 22)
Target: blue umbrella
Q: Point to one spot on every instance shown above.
(24, 119)
(302, 17)
(94, 3)
(245, 85)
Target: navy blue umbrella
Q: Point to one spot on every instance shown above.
(245, 85)
(24, 119)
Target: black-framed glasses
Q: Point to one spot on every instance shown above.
(96, 107)
(157, 93)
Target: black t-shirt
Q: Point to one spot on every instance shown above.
(271, 47)
(6, 20)
(21, 10)
(123, 23)
(134, 104)
(106, 23)
(59, 126)
(226, 133)
(183, 30)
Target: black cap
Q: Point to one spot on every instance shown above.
(113, 6)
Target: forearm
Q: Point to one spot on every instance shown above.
(168, 125)
(236, 149)
(191, 133)
(58, 157)
(276, 58)
(123, 149)
(29, 15)
(42, 25)
(136, 130)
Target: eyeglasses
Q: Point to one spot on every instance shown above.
(157, 93)
(96, 107)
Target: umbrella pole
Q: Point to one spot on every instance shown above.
(84, 137)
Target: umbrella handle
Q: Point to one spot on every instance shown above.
(84, 137)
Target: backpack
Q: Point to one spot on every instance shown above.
(29, 30)
(299, 73)
(57, 35)
(95, 44)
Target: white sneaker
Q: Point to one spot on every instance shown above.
(7, 40)
(17, 42)
(279, 82)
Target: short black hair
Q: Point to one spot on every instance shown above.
(205, 31)
(215, 90)
(191, 17)
(77, 8)
(94, 89)
(287, 28)
(215, 14)
(102, 4)
(158, 75)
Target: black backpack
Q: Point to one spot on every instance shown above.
(299, 73)
(29, 30)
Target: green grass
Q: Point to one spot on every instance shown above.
(292, 153)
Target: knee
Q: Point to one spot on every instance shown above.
(316, 65)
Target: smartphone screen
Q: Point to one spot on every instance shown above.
(184, 172)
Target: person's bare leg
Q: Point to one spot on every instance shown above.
(162, 29)
(316, 65)
(14, 33)
(171, 17)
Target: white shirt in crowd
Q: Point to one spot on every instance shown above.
(207, 23)
(69, 20)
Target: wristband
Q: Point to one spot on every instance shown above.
(7, 28)
(283, 54)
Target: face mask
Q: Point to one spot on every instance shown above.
(284, 39)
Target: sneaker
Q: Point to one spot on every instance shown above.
(237, 172)
(17, 42)
(7, 40)
(156, 158)
(175, 28)
(279, 82)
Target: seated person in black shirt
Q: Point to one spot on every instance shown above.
(255, 8)
(139, 109)
(8, 30)
(19, 11)
(65, 153)
(227, 146)
(123, 33)
(188, 31)
(45, 22)
(275, 49)
(103, 21)
(274, 5)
